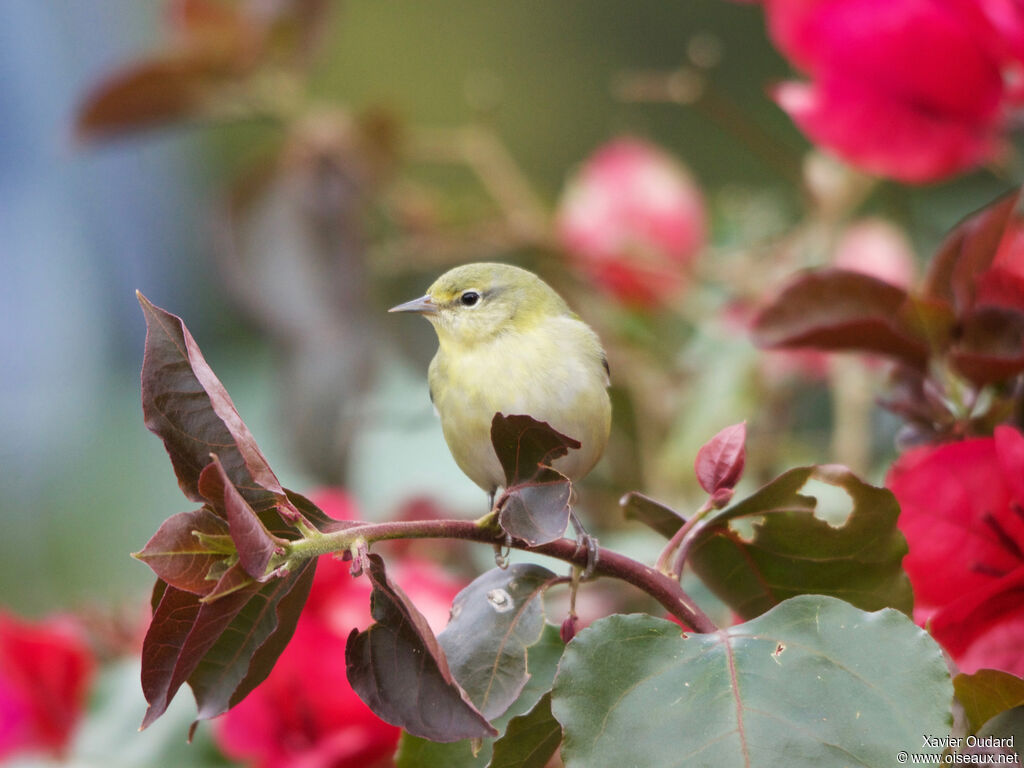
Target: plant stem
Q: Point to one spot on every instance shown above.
(674, 543)
(661, 587)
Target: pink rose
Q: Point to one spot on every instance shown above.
(631, 222)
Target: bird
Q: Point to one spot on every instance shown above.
(508, 343)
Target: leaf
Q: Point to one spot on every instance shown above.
(967, 252)
(178, 557)
(1005, 730)
(212, 644)
(494, 621)
(719, 462)
(986, 693)
(187, 407)
(990, 346)
(527, 447)
(530, 740)
(535, 505)
(536, 512)
(397, 667)
(253, 542)
(813, 682)
(151, 93)
(793, 552)
(245, 652)
(654, 514)
(542, 662)
(835, 309)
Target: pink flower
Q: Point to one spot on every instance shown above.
(45, 671)
(909, 89)
(878, 248)
(631, 221)
(305, 714)
(962, 511)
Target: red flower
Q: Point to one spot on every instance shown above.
(305, 714)
(962, 511)
(910, 89)
(631, 221)
(45, 670)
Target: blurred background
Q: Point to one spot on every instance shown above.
(279, 173)
(407, 137)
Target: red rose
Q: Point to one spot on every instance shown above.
(631, 222)
(909, 89)
(962, 511)
(45, 671)
(305, 714)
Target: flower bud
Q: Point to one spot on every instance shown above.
(631, 221)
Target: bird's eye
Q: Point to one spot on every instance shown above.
(469, 298)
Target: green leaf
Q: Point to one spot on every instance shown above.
(986, 693)
(1005, 730)
(494, 621)
(813, 682)
(793, 552)
(398, 668)
(542, 662)
(651, 513)
(530, 740)
(835, 309)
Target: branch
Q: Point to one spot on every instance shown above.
(662, 588)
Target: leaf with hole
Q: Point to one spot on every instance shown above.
(812, 682)
(494, 621)
(791, 551)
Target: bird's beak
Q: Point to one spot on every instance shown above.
(423, 305)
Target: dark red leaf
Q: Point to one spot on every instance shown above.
(224, 647)
(253, 542)
(243, 654)
(990, 347)
(834, 309)
(720, 460)
(967, 253)
(185, 404)
(397, 667)
(524, 446)
(181, 559)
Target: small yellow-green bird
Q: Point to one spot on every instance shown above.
(509, 344)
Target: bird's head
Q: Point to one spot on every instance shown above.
(477, 302)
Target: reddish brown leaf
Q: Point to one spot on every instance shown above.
(968, 252)
(397, 667)
(213, 645)
(150, 93)
(185, 404)
(991, 345)
(253, 542)
(720, 461)
(243, 654)
(178, 557)
(524, 446)
(834, 309)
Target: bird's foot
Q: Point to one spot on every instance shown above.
(585, 540)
